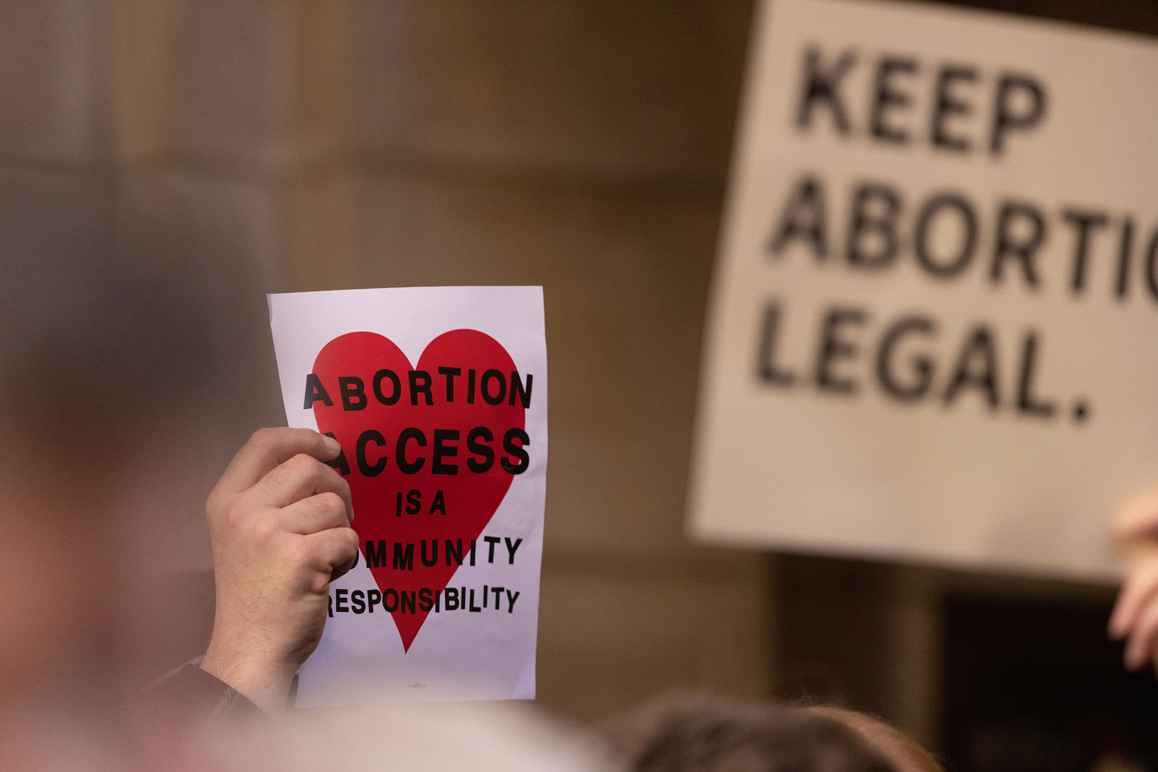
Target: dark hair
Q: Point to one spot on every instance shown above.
(685, 734)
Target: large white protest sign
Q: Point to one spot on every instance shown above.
(438, 397)
(931, 334)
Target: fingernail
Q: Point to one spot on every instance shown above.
(333, 446)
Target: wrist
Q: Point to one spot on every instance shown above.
(263, 681)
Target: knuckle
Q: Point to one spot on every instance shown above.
(331, 503)
(214, 505)
(262, 437)
(298, 551)
(234, 513)
(351, 540)
(321, 473)
(1150, 615)
(293, 472)
(1142, 580)
(263, 529)
(319, 583)
(304, 464)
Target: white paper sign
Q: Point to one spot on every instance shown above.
(932, 325)
(438, 397)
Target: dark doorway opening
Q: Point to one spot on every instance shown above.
(1035, 685)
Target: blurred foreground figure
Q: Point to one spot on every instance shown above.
(115, 355)
(380, 738)
(692, 733)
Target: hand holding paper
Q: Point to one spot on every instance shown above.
(437, 397)
(279, 520)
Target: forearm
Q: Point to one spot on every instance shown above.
(265, 684)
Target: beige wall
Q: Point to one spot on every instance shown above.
(582, 146)
(579, 145)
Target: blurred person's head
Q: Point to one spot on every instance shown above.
(905, 753)
(117, 352)
(387, 734)
(695, 733)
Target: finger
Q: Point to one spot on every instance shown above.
(298, 478)
(267, 448)
(1142, 637)
(315, 513)
(1140, 588)
(332, 551)
(1137, 518)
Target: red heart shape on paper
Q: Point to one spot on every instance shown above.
(471, 497)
